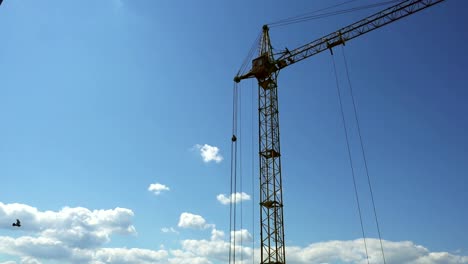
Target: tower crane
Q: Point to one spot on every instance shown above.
(265, 68)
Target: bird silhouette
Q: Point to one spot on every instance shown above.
(18, 223)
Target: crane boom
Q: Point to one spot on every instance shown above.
(341, 36)
(265, 68)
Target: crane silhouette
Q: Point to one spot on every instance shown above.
(265, 68)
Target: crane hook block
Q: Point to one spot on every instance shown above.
(234, 138)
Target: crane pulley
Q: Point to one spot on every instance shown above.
(265, 68)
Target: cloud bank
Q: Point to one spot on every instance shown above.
(79, 235)
(77, 227)
(71, 235)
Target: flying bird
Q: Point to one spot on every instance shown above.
(18, 222)
(1, 2)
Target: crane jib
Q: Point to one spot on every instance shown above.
(339, 37)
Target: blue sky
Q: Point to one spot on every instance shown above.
(115, 128)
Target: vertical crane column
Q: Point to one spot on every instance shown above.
(271, 196)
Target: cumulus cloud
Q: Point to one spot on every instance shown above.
(208, 249)
(76, 227)
(55, 250)
(332, 252)
(352, 251)
(217, 248)
(209, 153)
(29, 260)
(157, 188)
(77, 235)
(60, 234)
(241, 236)
(188, 220)
(132, 255)
(217, 234)
(184, 257)
(169, 230)
(233, 198)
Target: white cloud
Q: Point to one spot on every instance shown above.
(188, 220)
(169, 230)
(29, 260)
(217, 234)
(404, 252)
(209, 249)
(51, 249)
(217, 249)
(76, 227)
(77, 235)
(236, 198)
(71, 235)
(157, 188)
(184, 257)
(352, 251)
(132, 255)
(209, 153)
(24, 260)
(241, 236)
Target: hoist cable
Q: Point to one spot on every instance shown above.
(249, 56)
(350, 157)
(308, 13)
(363, 153)
(330, 14)
(240, 174)
(232, 163)
(253, 167)
(309, 16)
(232, 205)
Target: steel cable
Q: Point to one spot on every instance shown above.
(249, 56)
(363, 154)
(232, 204)
(252, 172)
(350, 157)
(240, 174)
(309, 16)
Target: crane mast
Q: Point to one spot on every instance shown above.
(271, 196)
(265, 68)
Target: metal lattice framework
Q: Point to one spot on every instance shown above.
(265, 69)
(271, 197)
(285, 58)
(354, 30)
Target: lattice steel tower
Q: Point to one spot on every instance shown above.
(271, 195)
